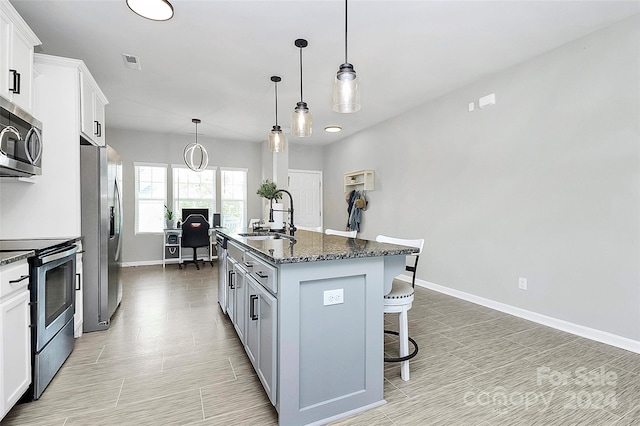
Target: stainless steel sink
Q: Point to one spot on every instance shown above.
(257, 236)
(265, 236)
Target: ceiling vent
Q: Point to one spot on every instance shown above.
(131, 61)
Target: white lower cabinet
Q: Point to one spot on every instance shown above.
(78, 315)
(15, 334)
(238, 314)
(262, 334)
(231, 287)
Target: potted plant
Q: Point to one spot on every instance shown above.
(267, 190)
(168, 214)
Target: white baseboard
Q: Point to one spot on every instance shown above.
(142, 263)
(569, 327)
(156, 262)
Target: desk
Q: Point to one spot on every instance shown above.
(172, 248)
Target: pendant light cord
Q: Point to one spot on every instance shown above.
(345, 32)
(276, 90)
(301, 75)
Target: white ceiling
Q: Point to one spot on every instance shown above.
(214, 59)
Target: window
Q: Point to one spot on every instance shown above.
(193, 189)
(234, 198)
(151, 197)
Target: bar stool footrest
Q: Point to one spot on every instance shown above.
(403, 358)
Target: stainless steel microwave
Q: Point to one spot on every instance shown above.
(20, 142)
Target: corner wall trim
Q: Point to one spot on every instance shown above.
(569, 327)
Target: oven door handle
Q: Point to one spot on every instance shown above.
(22, 278)
(59, 255)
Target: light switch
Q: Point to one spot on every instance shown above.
(472, 107)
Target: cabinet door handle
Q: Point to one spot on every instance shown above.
(96, 127)
(78, 282)
(252, 307)
(99, 130)
(231, 274)
(248, 265)
(16, 82)
(262, 275)
(22, 278)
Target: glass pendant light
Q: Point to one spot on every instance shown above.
(276, 137)
(346, 94)
(301, 117)
(156, 10)
(195, 155)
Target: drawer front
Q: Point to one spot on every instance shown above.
(264, 273)
(235, 251)
(12, 278)
(171, 252)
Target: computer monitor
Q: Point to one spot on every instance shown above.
(187, 212)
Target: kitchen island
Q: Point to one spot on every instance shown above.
(309, 312)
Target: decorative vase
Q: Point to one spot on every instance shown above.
(171, 223)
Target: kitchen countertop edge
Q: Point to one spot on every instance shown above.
(324, 254)
(9, 257)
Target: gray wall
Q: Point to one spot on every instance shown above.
(135, 146)
(543, 185)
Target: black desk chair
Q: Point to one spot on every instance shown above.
(195, 234)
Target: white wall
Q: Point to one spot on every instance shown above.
(544, 185)
(135, 146)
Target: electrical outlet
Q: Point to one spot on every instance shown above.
(333, 297)
(522, 283)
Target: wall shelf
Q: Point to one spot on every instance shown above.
(359, 180)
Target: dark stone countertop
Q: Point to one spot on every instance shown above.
(312, 246)
(9, 257)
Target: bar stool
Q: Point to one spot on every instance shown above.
(399, 301)
(348, 234)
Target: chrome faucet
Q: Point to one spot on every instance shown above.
(292, 228)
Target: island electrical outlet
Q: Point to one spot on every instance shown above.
(522, 283)
(333, 297)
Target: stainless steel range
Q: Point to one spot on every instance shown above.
(52, 286)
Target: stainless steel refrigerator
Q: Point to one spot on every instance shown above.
(101, 183)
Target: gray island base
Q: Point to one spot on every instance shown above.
(310, 315)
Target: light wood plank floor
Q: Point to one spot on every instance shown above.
(172, 358)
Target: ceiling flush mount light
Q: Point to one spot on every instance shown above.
(195, 155)
(333, 129)
(346, 94)
(301, 118)
(276, 137)
(156, 10)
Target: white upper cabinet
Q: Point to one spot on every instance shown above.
(16, 57)
(57, 192)
(93, 101)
